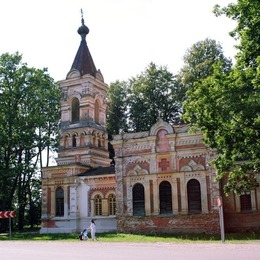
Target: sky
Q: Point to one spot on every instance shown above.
(125, 35)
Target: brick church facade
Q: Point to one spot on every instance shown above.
(161, 182)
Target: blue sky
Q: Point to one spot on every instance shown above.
(125, 35)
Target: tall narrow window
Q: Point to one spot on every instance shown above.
(98, 205)
(245, 202)
(59, 199)
(112, 204)
(74, 141)
(194, 196)
(138, 200)
(75, 110)
(165, 193)
(96, 112)
(99, 141)
(66, 142)
(68, 191)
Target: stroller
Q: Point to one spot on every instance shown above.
(83, 235)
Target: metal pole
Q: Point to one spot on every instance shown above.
(10, 229)
(221, 218)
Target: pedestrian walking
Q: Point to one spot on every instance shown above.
(92, 229)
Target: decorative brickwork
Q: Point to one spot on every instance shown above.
(206, 223)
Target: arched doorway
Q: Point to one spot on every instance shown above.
(194, 196)
(165, 194)
(138, 200)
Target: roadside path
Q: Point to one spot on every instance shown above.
(53, 250)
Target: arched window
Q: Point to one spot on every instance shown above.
(112, 204)
(66, 142)
(165, 193)
(162, 143)
(245, 202)
(98, 205)
(96, 112)
(75, 110)
(138, 200)
(74, 141)
(94, 139)
(99, 141)
(194, 196)
(59, 200)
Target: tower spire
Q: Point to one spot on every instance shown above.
(83, 61)
(83, 29)
(82, 18)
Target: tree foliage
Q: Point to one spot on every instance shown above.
(117, 108)
(137, 104)
(226, 104)
(199, 60)
(29, 114)
(247, 31)
(153, 94)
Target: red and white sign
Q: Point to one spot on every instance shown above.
(7, 214)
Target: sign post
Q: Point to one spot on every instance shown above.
(8, 214)
(221, 218)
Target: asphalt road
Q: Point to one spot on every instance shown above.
(97, 250)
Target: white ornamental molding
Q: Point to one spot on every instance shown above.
(192, 166)
(87, 88)
(137, 147)
(136, 159)
(73, 93)
(189, 141)
(188, 155)
(136, 171)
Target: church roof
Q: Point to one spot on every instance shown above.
(83, 61)
(99, 171)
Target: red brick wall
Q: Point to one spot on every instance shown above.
(49, 223)
(201, 223)
(242, 222)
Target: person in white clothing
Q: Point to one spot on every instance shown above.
(92, 229)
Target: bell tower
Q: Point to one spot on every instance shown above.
(83, 135)
(83, 164)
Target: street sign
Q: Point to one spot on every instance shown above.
(7, 214)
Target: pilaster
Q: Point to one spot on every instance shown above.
(184, 199)
(147, 198)
(174, 196)
(204, 198)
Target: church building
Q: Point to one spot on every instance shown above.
(161, 181)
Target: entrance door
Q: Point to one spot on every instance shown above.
(165, 191)
(138, 200)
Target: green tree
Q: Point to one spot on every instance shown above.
(153, 94)
(29, 113)
(199, 60)
(247, 31)
(117, 108)
(226, 105)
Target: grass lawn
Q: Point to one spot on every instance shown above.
(122, 237)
